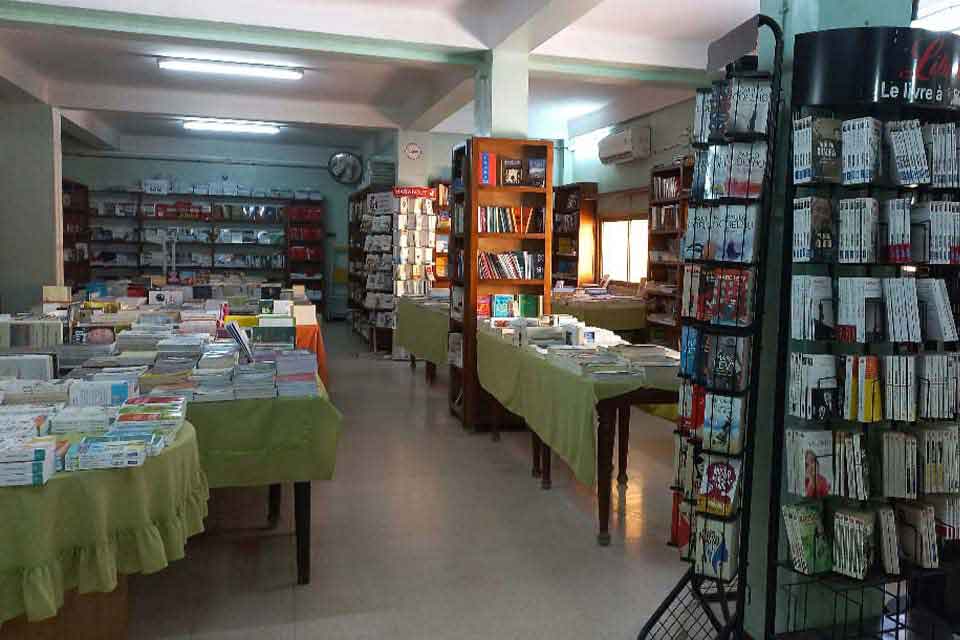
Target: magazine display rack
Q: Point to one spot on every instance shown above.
(723, 249)
(865, 504)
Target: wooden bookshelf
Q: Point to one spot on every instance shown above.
(575, 249)
(468, 401)
(667, 221)
(441, 208)
(76, 233)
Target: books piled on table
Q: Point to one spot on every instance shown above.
(723, 233)
(853, 542)
(816, 150)
(858, 229)
(275, 337)
(159, 414)
(143, 337)
(212, 385)
(101, 393)
(74, 355)
(807, 540)
(899, 460)
(104, 454)
(938, 459)
(941, 145)
(813, 235)
(809, 463)
(861, 398)
(77, 419)
(26, 366)
(297, 373)
(27, 461)
(895, 215)
(903, 313)
(123, 359)
(154, 443)
(908, 157)
(900, 388)
(917, 529)
(813, 386)
(220, 355)
(939, 323)
(35, 391)
(185, 345)
(27, 419)
(255, 380)
(862, 150)
(811, 302)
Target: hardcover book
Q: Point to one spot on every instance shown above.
(511, 171)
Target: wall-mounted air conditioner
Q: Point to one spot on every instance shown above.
(633, 143)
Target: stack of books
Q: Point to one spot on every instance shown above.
(862, 150)
(152, 414)
(255, 380)
(297, 373)
(896, 217)
(813, 234)
(936, 233)
(941, 144)
(26, 366)
(104, 454)
(858, 227)
(723, 233)
(100, 393)
(212, 385)
(899, 460)
(516, 265)
(77, 419)
(35, 391)
(26, 461)
(853, 542)
(220, 355)
(143, 337)
(908, 157)
(74, 355)
(900, 388)
(186, 345)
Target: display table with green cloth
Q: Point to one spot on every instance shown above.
(257, 442)
(562, 407)
(422, 330)
(615, 315)
(82, 529)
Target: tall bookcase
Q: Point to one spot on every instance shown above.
(669, 199)
(468, 401)
(441, 254)
(575, 233)
(76, 233)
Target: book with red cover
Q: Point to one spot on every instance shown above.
(483, 306)
(487, 171)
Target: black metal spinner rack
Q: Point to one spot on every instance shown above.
(699, 606)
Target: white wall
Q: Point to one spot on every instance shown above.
(669, 138)
(250, 163)
(31, 216)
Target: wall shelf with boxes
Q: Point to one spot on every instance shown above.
(669, 198)
(500, 250)
(575, 234)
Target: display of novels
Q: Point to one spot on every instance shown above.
(813, 387)
(938, 386)
(811, 304)
(858, 230)
(917, 530)
(724, 233)
(816, 150)
(813, 233)
(859, 310)
(510, 219)
(703, 110)
(938, 320)
(715, 548)
(723, 362)
(734, 170)
(26, 461)
(718, 295)
(889, 541)
(720, 485)
(26, 366)
(908, 157)
(851, 466)
(662, 218)
(493, 171)
(862, 150)
(935, 237)
(730, 107)
(899, 465)
(903, 312)
(895, 216)
(666, 187)
(900, 388)
(512, 265)
(723, 423)
(861, 397)
(947, 513)
(853, 542)
(810, 549)
(938, 459)
(940, 141)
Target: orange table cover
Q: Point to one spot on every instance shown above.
(310, 337)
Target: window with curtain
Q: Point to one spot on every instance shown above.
(623, 246)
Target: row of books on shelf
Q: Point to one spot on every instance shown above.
(718, 295)
(869, 151)
(566, 222)
(498, 305)
(493, 219)
(717, 421)
(510, 265)
(723, 233)
(869, 388)
(667, 187)
(865, 540)
(732, 106)
(205, 212)
(734, 170)
(664, 217)
(494, 170)
(902, 310)
(866, 230)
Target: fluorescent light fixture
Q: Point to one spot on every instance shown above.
(938, 16)
(230, 68)
(231, 126)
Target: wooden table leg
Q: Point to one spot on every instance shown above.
(274, 501)
(545, 456)
(606, 413)
(623, 442)
(301, 500)
(413, 361)
(431, 372)
(499, 416)
(535, 449)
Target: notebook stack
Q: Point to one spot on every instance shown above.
(255, 380)
(296, 373)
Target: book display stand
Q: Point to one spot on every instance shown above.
(866, 470)
(724, 248)
(575, 234)
(76, 233)
(502, 196)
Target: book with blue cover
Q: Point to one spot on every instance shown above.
(689, 346)
(723, 423)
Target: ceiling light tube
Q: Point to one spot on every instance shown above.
(231, 126)
(230, 68)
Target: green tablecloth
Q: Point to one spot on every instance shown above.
(613, 315)
(81, 529)
(246, 443)
(422, 329)
(558, 404)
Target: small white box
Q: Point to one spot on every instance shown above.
(156, 187)
(423, 255)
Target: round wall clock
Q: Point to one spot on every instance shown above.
(413, 151)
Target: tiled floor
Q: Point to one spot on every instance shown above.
(427, 531)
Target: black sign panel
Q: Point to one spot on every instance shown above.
(879, 65)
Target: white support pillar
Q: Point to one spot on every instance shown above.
(31, 209)
(501, 96)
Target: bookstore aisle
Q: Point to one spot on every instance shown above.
(426, 531)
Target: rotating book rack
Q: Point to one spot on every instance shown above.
(810, 592)
(724, 250)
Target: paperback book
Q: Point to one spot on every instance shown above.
(813, 233)
(813, 392)
(816, 150)
(719, 492)
(810, 549)
(715, 548)
(811, 304)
